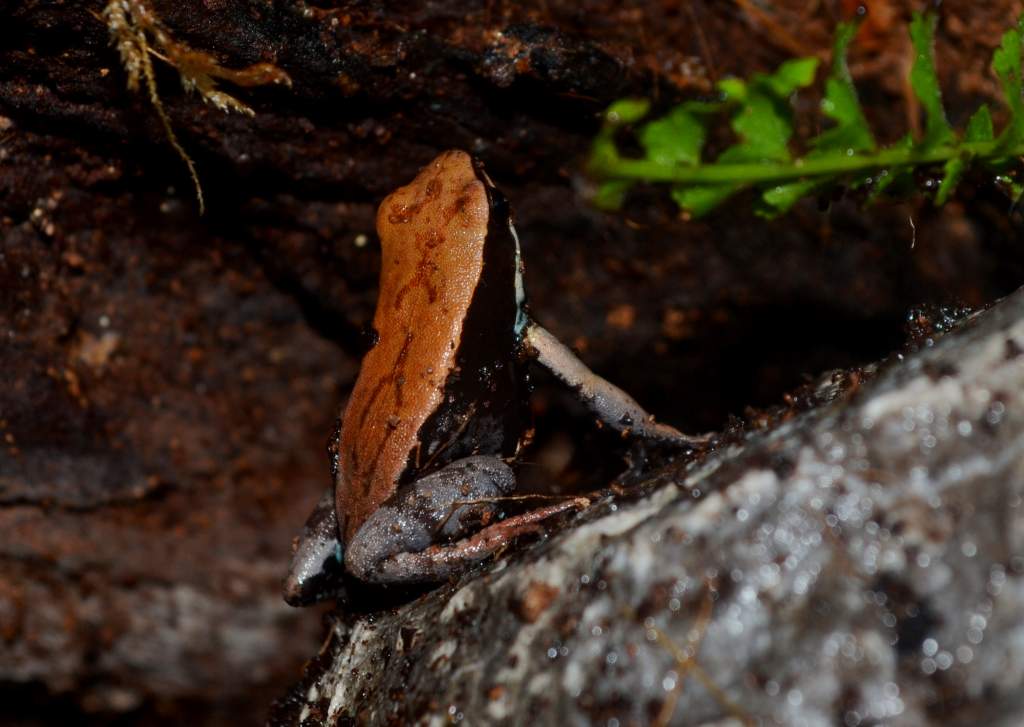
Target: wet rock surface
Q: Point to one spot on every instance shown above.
(861, 563)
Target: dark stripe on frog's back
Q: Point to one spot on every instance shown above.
(485, 396)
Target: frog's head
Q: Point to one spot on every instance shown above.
(441, 215)
(450, 229)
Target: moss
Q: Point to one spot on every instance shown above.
(139, 34)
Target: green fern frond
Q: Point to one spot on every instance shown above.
(760, 112)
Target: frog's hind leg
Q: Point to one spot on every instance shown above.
(440, 562)
(315, 573)
(608, 402)
(438, 526)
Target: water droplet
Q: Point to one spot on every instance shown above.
(399, 215)
(997, 576)
(995, 413)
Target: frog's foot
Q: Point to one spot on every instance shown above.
(440, 525)
(608, 402)
(315, 573)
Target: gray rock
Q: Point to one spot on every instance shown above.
(862, 563)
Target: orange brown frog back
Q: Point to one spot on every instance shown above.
(432, 234)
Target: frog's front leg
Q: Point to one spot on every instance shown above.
(440, 525)
(608, 402)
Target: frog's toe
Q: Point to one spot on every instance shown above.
(316, 569)
(315, 575)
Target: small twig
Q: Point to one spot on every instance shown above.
(702, 41)
(154, 98)
(686, 662)
(779, 34)
(528, 496)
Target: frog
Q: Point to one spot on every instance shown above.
(422, 457)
